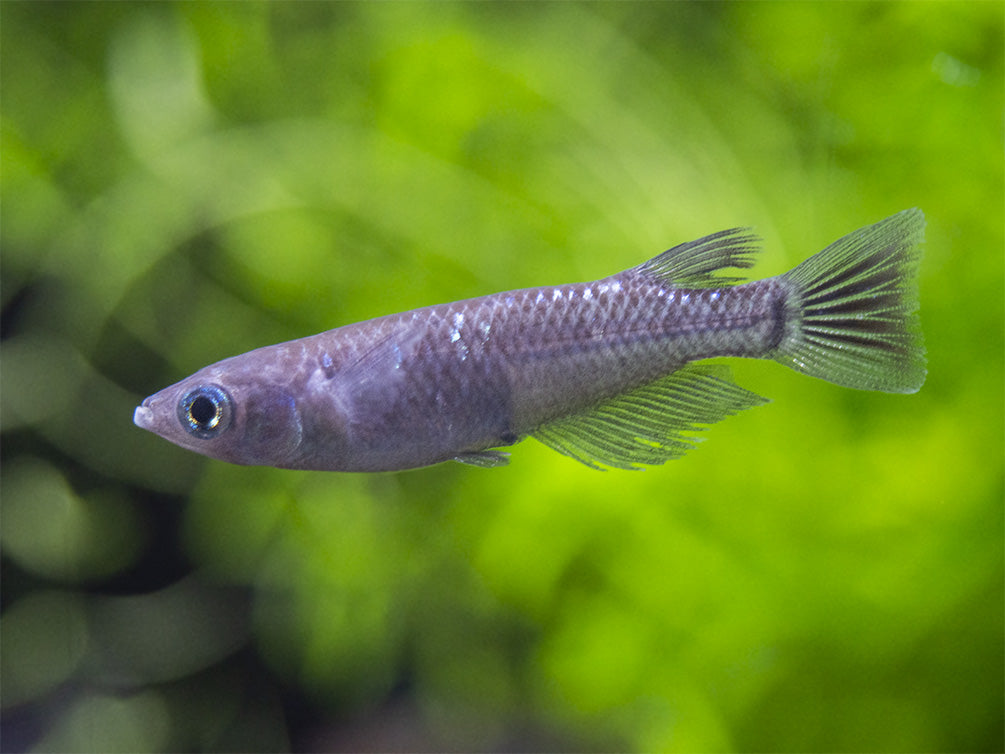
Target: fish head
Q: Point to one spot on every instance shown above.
(227, 414)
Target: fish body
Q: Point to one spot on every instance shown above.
(604, 371)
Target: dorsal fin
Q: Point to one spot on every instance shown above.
(691, 264)
(648, 424)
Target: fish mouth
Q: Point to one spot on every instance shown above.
(143, 416)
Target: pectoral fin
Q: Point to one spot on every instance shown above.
(649, 425)
(486, 459)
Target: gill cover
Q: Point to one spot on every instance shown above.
(271, 431)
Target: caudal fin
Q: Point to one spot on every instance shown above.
(852, 317)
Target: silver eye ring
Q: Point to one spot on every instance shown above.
(206, 411)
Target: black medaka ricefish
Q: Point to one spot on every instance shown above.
(603, 372)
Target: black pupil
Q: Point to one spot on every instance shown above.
(203, 410)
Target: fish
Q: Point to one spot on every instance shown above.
(612, 373)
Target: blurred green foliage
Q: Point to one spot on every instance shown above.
(184, 182)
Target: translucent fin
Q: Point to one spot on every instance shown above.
(648, 424)
(691, 264)
(382, 357)
(852, 318)
(486, 459)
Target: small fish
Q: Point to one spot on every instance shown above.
(603, 372)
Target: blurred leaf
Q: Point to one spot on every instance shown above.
(45, 639)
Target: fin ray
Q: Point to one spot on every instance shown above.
(651, 424)
(691, 264)
(854, 315)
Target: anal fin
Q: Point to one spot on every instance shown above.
(650, 424)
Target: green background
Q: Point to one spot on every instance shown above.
(181, 183)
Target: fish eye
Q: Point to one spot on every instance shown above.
(205, 411)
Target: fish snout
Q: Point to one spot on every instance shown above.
(143, 416)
